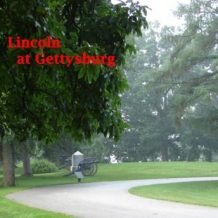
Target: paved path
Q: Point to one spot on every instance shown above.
(111, 200)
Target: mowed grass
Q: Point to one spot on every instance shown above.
(106, 172)
(11, 209)
(127, 171)
(151, 170)
(200, 193)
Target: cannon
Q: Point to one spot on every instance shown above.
(88, 166)
(81, 166)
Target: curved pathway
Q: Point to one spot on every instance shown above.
(111, 200)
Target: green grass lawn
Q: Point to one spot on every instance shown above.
(107, 172)
(201, 193)
(10, 209)
(151, 170)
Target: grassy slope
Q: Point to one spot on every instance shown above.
(9, 209)
(201, 193)
(155, 170)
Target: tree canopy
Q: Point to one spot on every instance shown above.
(40, 101)
(171, 107)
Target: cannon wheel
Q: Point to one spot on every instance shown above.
(89, 169)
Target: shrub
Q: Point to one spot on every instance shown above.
(43, 166)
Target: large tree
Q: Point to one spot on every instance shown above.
(193, 61)
(171, 106)
(42, 101)
(147, 105)
(192, 72)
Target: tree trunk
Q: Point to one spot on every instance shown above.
(27, 171)
(164, 153)
(8, 165)
(1, 152)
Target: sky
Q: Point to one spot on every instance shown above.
(162, 10)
